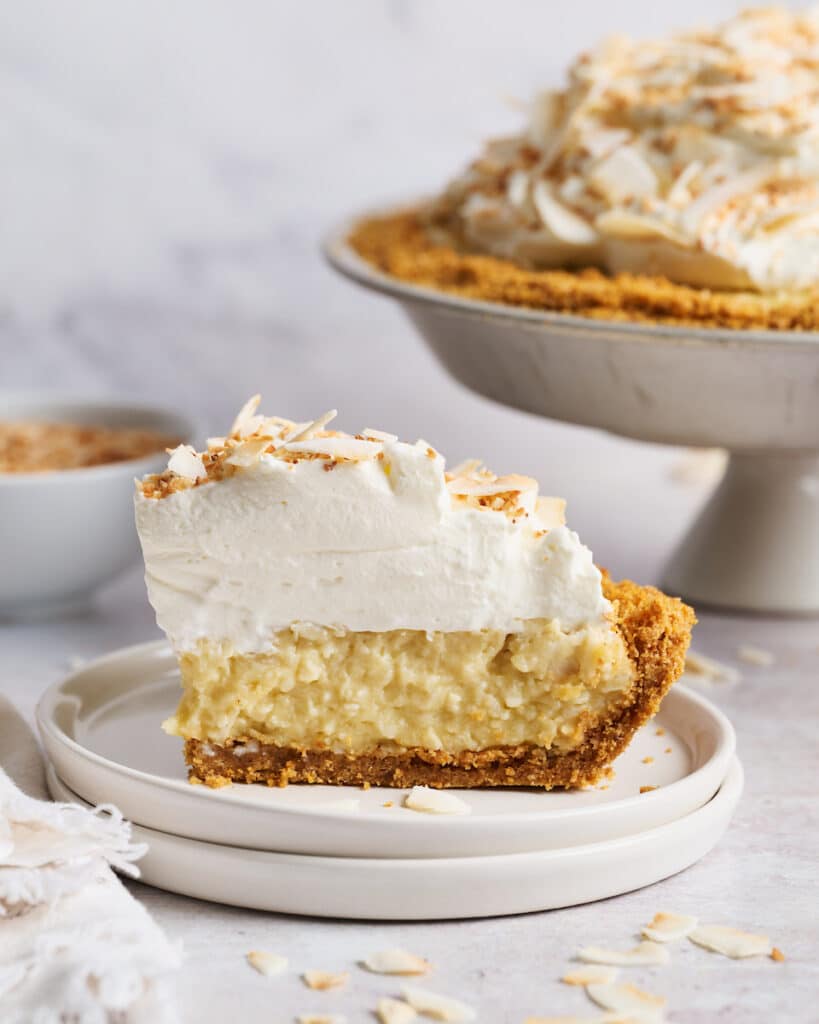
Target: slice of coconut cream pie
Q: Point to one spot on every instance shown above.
(345, 610)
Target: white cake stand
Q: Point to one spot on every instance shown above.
(755, 546)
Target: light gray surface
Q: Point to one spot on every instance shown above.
(167, 173)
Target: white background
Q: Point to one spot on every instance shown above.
(166, 173)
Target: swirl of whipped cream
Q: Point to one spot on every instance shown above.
(284, 523)
(695, 157)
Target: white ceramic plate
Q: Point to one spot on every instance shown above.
(431, 889)
(101, 729)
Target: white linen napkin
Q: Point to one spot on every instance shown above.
(74, 944)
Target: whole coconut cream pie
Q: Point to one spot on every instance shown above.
(672, 180)
(346, 610)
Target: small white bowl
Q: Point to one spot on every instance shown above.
(63, 533)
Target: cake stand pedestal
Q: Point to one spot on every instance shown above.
(755, 547)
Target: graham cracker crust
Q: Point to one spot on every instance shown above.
(656, 630)
(401, 246)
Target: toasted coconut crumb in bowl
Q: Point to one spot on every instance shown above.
(67, 469)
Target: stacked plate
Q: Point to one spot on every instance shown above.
(344, 852)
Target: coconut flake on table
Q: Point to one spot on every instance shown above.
(396, 961)
(394, 1011)
(629, 1000)
(593, 974)
(707, 671)
(755, 655)
(644, 954)
(266, 963)
(665, 927)
(325, 980)
(439, 1007)
(731, 942)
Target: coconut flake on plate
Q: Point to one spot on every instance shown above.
(432, 1004)
(629, 1000)
(594, 974)
(644, 954)
(396, 961)
(185, 462)
(320, 1018)
(665, 927)
(730, 942)
(435, 801)
(268, 964)
(324, 980)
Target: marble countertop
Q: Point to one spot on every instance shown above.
(163, 194)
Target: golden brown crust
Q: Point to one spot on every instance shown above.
(656, 630)
(400, 245)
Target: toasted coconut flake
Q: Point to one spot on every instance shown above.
(700, 668)
(214, 443)
(643, 954)
(730, 942)
(551, 512)
(466, 468)
(628, 1000)
(394, 1011)
(755, 655)
(313, 428)
(594, 974)
(435, 801)
(348, 448)
(379, 435)
(247, 421)
(513, 483)
(434, 1005)
(268, 964)
(396, 961)
(320, 1018)
(324, 980)
(248, 452)
(561, 221)
(185, 462)
(665, 927)
(777, 954)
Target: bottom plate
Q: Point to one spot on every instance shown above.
(432, 889)
(101, 730)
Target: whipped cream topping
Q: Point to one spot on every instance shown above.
(283, 523)
(695, 157)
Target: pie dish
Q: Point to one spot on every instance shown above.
(674, 181)
(346, 611)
